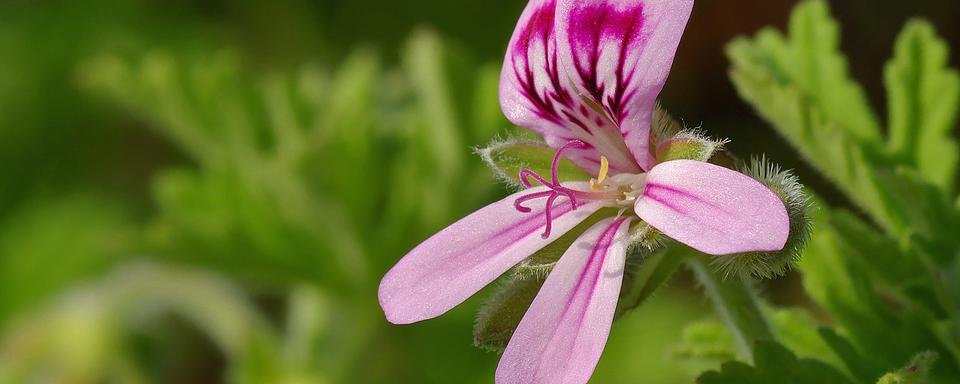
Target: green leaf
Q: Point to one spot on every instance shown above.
(796, 329)
(799, 83)
(924, 95)
(774, 364)
(916, 372)
(862, 367)
(837, 275)
(425, 65)
(507, 157)
(51, 243)
(706, 341)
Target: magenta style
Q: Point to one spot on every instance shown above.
(584, 75)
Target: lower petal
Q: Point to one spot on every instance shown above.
(563, 333)
(451, 266)
(713, 209)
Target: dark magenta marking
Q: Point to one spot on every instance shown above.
(589, 25)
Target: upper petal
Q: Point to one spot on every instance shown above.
(451, 266)
(563, 333)
(619, 53)
(713, 209)
(536, 94)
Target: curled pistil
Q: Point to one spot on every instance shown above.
(557, 190)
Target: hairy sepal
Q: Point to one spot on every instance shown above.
(507, 157)
(787, 187)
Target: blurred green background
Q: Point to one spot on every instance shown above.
(203, 191)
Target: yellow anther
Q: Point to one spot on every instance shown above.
(595, 184)
(604, 169)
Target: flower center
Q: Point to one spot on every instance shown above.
(619, 190)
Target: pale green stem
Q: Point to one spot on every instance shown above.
(734, 302)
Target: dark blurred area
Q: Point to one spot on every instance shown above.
(84, 176)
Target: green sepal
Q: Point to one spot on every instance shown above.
(772, 264)
(541, 262)
(664, 125)
(688, 145)
(507, 157)
(646, 270)
(502, 312)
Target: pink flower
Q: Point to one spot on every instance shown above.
(585, 75)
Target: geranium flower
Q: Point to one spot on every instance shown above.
(585, 75)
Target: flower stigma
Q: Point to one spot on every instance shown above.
(620, 190)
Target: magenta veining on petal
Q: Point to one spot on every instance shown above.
(593, 28)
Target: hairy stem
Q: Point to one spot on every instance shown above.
(734, 302)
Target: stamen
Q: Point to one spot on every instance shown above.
(595, 184)
(604, 168)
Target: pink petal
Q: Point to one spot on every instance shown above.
(451, 266)
(713, 209)
(619, 53)
(562, 335)
(535, 94)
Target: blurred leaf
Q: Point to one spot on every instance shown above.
(51, 243)
(707, 341)
(774, 364)
(837, 275)
(800, 85)
(796, 329)
(425, 66)
(923, 98)
(861, 366)
(79, 337)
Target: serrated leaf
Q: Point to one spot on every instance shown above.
(775, 364)
(924, 95)
(506, 158)
(862, 367)
(810, 60)
(799, 83)
(836, 278)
